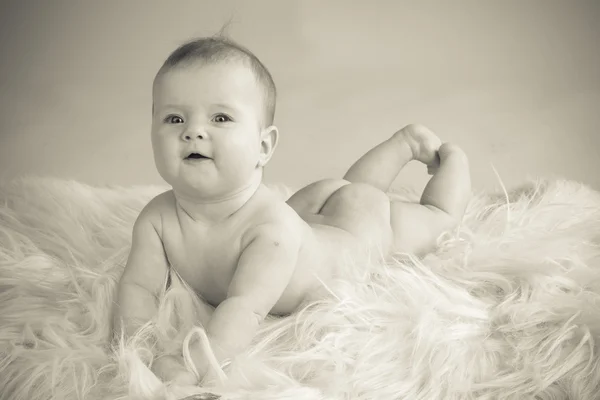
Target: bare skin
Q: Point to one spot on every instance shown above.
(415, 226)
(245, 251)
(262, 259)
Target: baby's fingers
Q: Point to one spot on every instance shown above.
(169, 369)
(202, 396)
(184, 378)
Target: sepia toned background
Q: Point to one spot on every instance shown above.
(515, 83)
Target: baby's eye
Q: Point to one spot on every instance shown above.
(174, 119)
(221, 118)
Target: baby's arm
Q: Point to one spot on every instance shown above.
(143, 277)
(264, 270)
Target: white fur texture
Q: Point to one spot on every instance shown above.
(507, 308)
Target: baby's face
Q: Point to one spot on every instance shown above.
(206, 128)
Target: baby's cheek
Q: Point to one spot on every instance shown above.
(244, 154)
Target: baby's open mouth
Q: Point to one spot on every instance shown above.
(196, 156)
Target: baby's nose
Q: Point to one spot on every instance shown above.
(190, 135)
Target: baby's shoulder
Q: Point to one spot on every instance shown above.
(276, 216)
(158, 208)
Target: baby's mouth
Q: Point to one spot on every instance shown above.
(196, 156)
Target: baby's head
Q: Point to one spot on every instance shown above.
(215, 50)
(212, 123)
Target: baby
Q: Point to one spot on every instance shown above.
(232, 240)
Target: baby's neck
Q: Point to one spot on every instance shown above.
(215, 210)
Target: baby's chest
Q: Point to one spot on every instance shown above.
(205, 260)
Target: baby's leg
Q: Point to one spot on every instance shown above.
(417, 226)
(364, 212)
(449, 190)
(381, 165)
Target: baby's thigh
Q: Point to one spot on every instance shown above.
(363, 211)
(416, 227)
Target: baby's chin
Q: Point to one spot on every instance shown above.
(192, 189)
(201, 190)
(184, 179)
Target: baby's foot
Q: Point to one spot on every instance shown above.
(169, 369)
(423, 143)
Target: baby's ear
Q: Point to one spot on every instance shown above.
(269, 138)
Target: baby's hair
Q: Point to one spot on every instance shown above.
(218, 48)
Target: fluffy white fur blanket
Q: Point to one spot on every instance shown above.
(507, 308)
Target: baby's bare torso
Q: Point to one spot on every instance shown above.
(206, 257)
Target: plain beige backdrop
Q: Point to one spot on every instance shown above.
(516, 83)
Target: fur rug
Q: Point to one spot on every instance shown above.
(508, 307)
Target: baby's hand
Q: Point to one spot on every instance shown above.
(423, 143)
(169, 369)
(202, 396)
